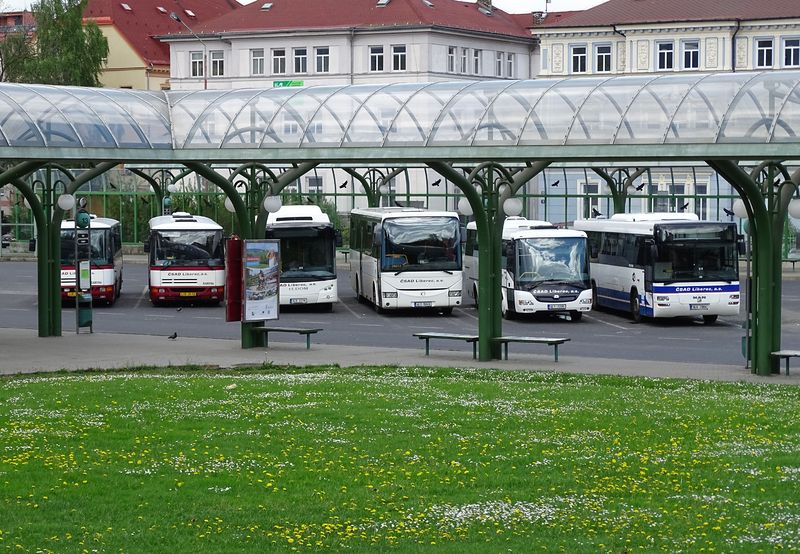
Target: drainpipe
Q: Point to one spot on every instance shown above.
(352, 38)
(733, 45)
(620, 33)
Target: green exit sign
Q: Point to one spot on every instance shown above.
(287, 83)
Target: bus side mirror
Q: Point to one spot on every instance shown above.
(462, 229)
(32, 245)
(146, 246)
(337, 238)
(740, 245)
(593, 251)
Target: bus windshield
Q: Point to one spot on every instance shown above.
(547, 260)
(307, 253)
(188, 248)
(98, 238)
(421, 244)
(696, 261)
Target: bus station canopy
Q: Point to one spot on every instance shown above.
(743, 115)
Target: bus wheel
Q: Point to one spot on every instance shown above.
(575, 316)
(327, 307)
(709, 319)
(636, 307)
(446, 311)
(506, 312)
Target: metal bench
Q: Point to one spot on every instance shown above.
(786, 354)
(299, 331)
(449, 336)
(552, 341)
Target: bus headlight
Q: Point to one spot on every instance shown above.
(454, 293)
(390, 295)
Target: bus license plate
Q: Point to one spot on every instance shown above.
(556, 306)
(297, 301)
(698, 306)
(188, 294)
(423, 304)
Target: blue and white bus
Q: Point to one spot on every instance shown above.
(664, 265)
(406, 258)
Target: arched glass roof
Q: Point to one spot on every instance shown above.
(711, 109)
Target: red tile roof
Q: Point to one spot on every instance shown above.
(363, 14)
(620, 12)
(145, 20)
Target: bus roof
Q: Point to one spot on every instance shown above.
(299, 214)
(639, 224)
(94, 223)
(394, 212)
(183, 221)
(517, 222)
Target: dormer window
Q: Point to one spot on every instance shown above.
(126, 7)
(266, 7)
(162, 9)
(190, 13)
(382, 3)
(428, 3)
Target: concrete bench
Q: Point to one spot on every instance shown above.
(299, 331)
(551, 341)
(449, 336)
(786, 354)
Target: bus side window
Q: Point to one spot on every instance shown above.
(472, 242)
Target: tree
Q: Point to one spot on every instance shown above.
(64, 51)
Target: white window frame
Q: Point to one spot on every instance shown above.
(665, 55)
(278, 61)
(791, 51)
(464, 60)
(257, 61)
(300, 60)
(498, 63)
(197, 62)
(451, 59)
(399, 57)
(322, 57)
(510, 65)
(477, 54)
(769, 52)
(690, 48)
(376, 58)
(607, 67)
(217, 62)
(578, 54)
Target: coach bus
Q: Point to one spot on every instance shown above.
(664, 265)
(186, 259)
(308, 244)
(105, 239)
(406, 258)
(544, 269)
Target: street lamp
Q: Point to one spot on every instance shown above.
(175, 17)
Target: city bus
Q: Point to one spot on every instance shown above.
(406, 258)
(544, 269)
(664, 265)
(105, 238)
(308, 244)
(186, 259)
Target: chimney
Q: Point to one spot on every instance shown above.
(485, 6)
(538, 18)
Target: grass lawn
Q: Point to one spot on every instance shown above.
(395, 459)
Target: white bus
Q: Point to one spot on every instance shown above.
(406, 258)
(544, 269)
(664, 265)
(105, 238)
(308, 255)
(186, 259)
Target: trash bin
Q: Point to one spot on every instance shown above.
(84, 306)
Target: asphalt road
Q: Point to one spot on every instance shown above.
(601, 334)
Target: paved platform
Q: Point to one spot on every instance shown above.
(23, 351)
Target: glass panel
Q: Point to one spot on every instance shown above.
(788, 122)
(651, 110)
(18, 129)
(602, 112)
(86, 123)
(751, 115)
(502, 124)
(213, 125)
(137, 118)
(292, 118)
(415, 120)
(457, 124)
(187, 111)
(249, 128)
(48, 120)
(699, 116)
(331, 121)
(371, 123)
(553, 115)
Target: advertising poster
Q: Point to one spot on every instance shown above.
(261, 284)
